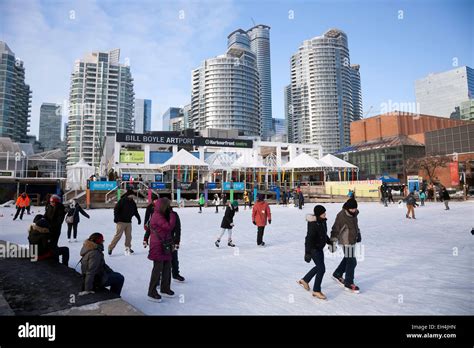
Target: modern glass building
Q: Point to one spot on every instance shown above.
(50, 126)
(466, 110)
(279, 130)
(325, 92)
(100, 104)
(439, 94)
(288, 113)
(142, 115)
(259, 37)
(225, 90)
(459, 139)
(15, 97)
(171, 116)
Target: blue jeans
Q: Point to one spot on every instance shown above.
(318, 270)
(347, 265)
(115, 281)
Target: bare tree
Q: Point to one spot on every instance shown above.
(428, 165)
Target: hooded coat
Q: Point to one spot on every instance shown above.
(93, 266)
(316, 237)
(75, 212)
(261, 213)
(346, 228)
(228, 218)
(161, 230)
(41, 237)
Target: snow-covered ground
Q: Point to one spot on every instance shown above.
(422, 266)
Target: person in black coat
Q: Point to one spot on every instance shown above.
(316, 240)
(124, 211)
(54, 214)
(300, 200)
(444, 195)
(228, 223)
(72, 218)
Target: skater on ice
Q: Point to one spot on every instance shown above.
(124, 211)
(315, 241)
(246, 199)
(422, 198)
(444, 197)
(228, 223)
(54, 213)
(411, 204)
(72, 219)
(216, 202)
(22, 202)
(162, 224)
(260, 215)
(201, 202)
(346, 233)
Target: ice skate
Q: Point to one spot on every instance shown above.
(320, 295)
(169, 293)
(154, 298)
(217, 243)
(231, 244)
(352, 288)
(339, 280)
(303, 284)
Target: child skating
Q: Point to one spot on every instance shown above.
(228, 223)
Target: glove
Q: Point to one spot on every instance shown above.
(176, 246)
(332, 247)
(359, 237)
(232, 224)
(307, 257)
(82, 293)
(254, 223)
(269, 222)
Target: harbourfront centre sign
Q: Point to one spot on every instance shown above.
(181, 140)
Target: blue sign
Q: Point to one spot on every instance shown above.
(158, 177)
(102, 185)
(211, 186)
(125, 177)
(234, 185)
(158, 185)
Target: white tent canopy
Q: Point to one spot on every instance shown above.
(184, 159)
(332, 161)
(78, 174)
(304, 161)
(246, 162)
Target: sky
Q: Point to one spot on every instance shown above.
(395, 42)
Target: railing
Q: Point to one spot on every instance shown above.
(139, 187)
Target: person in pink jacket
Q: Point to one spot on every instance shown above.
(260, 215)
(161, 248)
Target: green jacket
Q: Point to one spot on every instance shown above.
(201, 200)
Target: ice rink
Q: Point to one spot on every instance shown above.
(407, 267)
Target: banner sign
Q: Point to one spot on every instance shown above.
(181, 140)
(185, 185)
(125, 177)
(132, 156)
(6, 173)
(158, 177)
(454, 173)
(239, 186)
(102, 185)
(158, 185)
(210, 185)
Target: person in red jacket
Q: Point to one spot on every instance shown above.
(260, 215)
(161, 247)
(22, 203)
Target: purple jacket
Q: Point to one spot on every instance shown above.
(159, 225)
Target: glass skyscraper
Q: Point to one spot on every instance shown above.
(325, 92)
(50, 126)
(100, 104)
(142, 115)
(439, 94)
(226, 90)
(15, 97)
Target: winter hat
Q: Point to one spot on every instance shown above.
(129, 193)
(350, 204)
(235, 203)
(154, 197)
(319, 210)
(42, 223)
(96, 238)
(37, 218)
(55, 198)
(260, 196)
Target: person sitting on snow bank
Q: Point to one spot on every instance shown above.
(40, 237)
(95, 271)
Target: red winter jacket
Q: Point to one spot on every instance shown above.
(261, 213)
(159, 225)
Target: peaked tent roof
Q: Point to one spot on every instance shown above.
(335, 162)
(81, 164)
(184, 158)
(243, 162)
(304, 161)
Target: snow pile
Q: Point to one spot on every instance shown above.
(408, 267)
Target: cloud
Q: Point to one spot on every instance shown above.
(163, 41)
